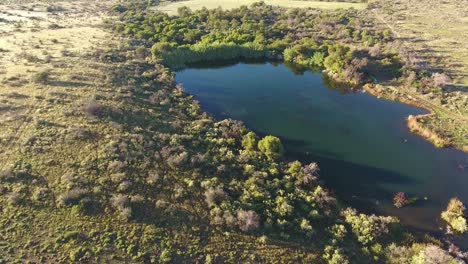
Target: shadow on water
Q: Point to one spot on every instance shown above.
(228, 63)
(346, 177)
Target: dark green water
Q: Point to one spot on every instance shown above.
(361, 143)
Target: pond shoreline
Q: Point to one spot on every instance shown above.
(413, 122)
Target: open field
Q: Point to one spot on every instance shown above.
(436, 34)
(436, 30)
(171, 7)
(40, 46)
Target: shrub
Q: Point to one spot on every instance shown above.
(92, 109)
(456, 206)
(440, 79)
(249, 142)
(120, 201)
(213, 194)
(433, 255)
(338, 231)
(271, 146)
(166, 256)
(398, 254)
(310, 173)
(375, 51)
(77, 254)
(119, 8)
(13, 198)
(247, 220)
(336, 60)
(334, 255)
(367, 228)
(122, 204)
(72, 196)
(400, 199)
(454, 215)
(55, 9)
(41, 77)
(317, 59)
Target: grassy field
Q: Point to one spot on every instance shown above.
(437, 30)
(171, 7)
(436, 33)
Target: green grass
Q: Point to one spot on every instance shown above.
(171, 7)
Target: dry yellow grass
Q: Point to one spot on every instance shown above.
(171, 7)
(415, 125)
(35, 41)
(437, 30)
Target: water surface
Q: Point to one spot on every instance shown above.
(361, 143)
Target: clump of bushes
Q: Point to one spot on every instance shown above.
(72, 197)
(334, 255)
(368, 228)
(179, 57)
(455, 215)
(121, 203)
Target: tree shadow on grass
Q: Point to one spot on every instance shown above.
(66, 84)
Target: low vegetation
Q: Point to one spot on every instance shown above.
(106, 159)
(455, 215)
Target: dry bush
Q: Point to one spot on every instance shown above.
(72, 196)
(28, 57)
(247, 220)
(92, 108)
(440, 79)
(375, 51)
(54, 8)
(41, 77)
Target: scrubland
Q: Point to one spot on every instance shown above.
(104, 158)
(171, 7)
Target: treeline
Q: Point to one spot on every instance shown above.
(307, 37)
(179, 57)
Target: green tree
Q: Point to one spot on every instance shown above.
(160, 48)
(271, 146)
(337, 57)
(249, 142)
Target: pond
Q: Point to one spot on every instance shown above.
(363, 147)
